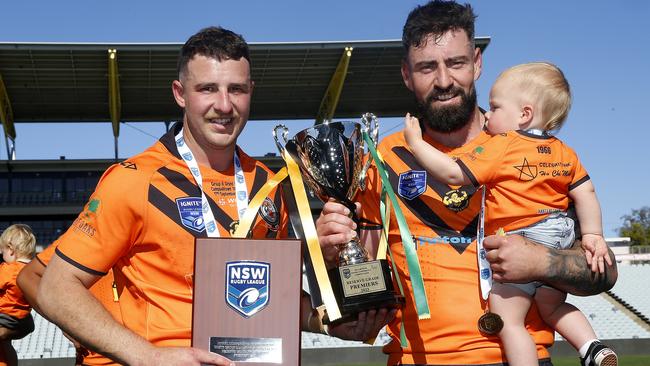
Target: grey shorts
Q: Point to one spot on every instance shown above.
(555, 231)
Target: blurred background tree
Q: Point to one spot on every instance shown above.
(637, 226)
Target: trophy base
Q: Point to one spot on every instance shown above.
(362, 287)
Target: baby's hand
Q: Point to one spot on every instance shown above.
(412, 131)
(596, 252)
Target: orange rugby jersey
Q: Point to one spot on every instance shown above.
(103, 291)
(142, 221)
(443, 221)
(12, 301)
(527, 176)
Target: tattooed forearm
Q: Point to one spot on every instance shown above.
(569, 272)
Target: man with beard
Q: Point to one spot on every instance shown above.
(440, 67)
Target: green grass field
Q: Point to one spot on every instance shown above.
(623, 361)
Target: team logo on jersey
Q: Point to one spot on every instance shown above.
(456, 200)
(474, 154)
(412, 184)
(269, 214)
(189, 208)
(247, 286)
(129, 165)
(92, 207)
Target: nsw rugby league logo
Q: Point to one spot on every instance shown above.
(247, 286)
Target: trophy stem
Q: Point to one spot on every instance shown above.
(352, 252)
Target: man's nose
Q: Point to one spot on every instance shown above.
(443, 78)
(222, 103)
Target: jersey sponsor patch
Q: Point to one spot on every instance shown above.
(412, 184)
(269, 213)
(247, 286)
(189, 208)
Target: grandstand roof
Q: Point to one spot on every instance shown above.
(68, 82)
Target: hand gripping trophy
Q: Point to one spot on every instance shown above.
(330, 156)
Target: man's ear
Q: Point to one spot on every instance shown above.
(406, 75)
(177, 90)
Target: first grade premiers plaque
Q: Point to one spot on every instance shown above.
(247, 299)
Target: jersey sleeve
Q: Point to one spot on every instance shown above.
(109, 224)
(484, 163)
(46, 255)
(579, 172)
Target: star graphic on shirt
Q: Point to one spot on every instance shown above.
(527, 172)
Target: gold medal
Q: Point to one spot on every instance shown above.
(490, 323)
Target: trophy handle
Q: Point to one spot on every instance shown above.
(284, 131)
(370, 124)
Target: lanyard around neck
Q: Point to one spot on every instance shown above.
(241, 192)
(485, 273)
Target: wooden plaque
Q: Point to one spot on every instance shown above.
(230, 315)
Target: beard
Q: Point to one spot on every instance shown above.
(447, 118)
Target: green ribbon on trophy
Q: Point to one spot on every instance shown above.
(385, 207)
(415, 272)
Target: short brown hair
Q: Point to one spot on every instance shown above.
(213, 42)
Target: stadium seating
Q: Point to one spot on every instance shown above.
(47, 341)
(632, 287)
(607, 319)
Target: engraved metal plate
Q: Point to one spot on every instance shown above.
(248, 349)
(362, 278)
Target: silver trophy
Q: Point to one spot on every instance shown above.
(330, 156)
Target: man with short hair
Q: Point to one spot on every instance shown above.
(440, 67)
(145, 213)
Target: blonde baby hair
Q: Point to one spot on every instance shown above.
(544, 85)
(21, 239)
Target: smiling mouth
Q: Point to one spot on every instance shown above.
(221, 121)
(444, 97)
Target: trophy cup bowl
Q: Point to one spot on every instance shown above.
(331, 159)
